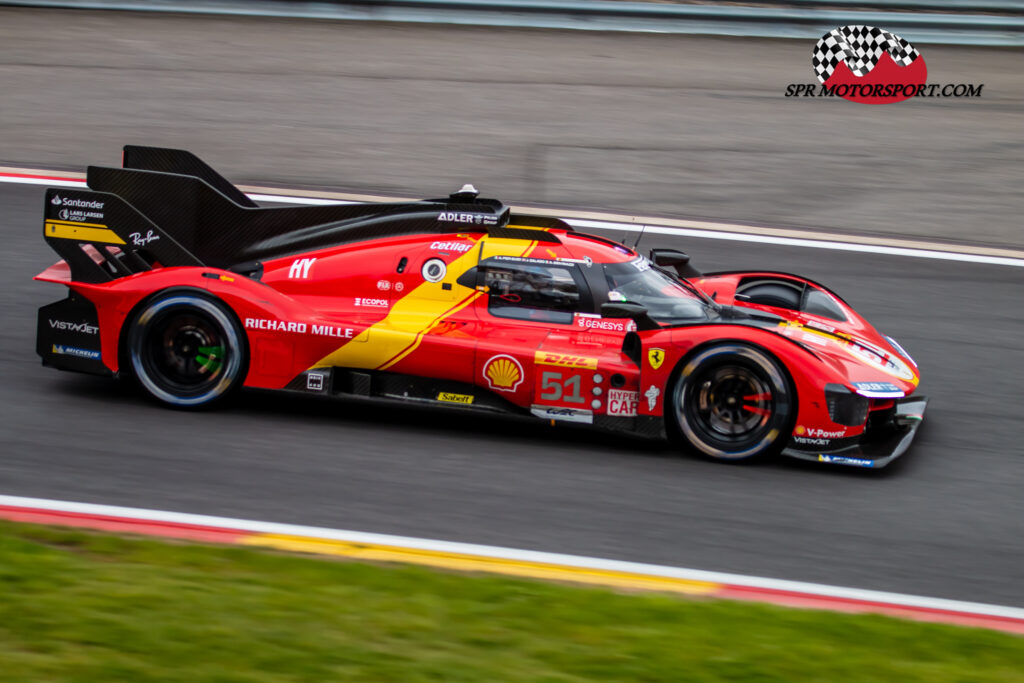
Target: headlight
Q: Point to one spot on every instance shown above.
(881, 359)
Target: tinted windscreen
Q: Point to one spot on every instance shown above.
(666, 300)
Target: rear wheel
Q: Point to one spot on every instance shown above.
(187, 350)
(732, 402)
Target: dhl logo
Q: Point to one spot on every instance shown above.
(564, 360)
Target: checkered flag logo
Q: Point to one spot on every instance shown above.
(860, 47)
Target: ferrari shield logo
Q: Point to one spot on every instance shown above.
(655, 357)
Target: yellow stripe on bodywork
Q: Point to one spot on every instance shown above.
(479, 563)
(414, 315)
(83, 232)
(419, 335)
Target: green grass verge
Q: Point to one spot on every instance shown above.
(79, 606)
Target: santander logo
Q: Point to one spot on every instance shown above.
(869, 65)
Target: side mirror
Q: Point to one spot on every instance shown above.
(470, 278)
(675, 259)
(634, 312)
(669, 257)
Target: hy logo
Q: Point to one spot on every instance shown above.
(869, 65)
(300, 268)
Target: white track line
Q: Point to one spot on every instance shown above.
(735, 233)
(284, 199)
(516, 555)
(800, 242)
(50, 182)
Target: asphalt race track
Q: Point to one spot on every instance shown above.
(944, 521)
(659, 125)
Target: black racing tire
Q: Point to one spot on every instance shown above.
(732, 401)
(187, 350)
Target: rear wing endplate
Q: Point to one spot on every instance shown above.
(102, 237)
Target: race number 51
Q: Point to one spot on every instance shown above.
(560, 387)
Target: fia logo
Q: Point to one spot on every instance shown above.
(300, 268)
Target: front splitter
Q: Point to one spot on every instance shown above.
(878, 452)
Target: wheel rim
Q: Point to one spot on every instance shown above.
(185, 353)
(733, 402)
(186, 350)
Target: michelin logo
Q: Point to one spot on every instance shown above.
(652, 395)
(843, 460)
(62, 350)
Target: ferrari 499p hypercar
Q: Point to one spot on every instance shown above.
(180, 281)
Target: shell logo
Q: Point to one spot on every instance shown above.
(503, 373)
(800, 430)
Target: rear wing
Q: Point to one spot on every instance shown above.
(180, 162)
(101, 237)
(166, 207)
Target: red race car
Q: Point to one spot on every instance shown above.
(181, 281)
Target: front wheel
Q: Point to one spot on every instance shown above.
(732, 402)
(187, 350)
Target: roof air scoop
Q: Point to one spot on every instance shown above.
(467, 193)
